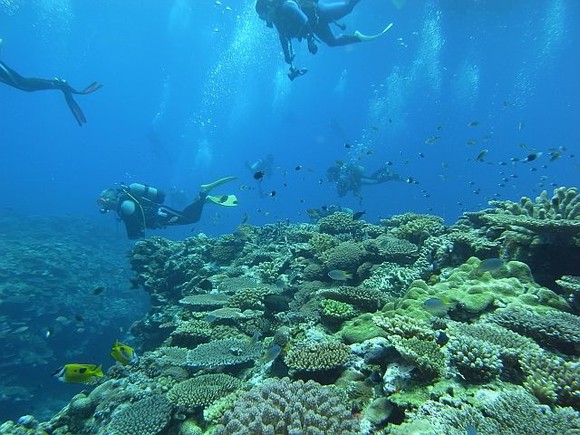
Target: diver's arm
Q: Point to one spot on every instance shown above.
(287, 49)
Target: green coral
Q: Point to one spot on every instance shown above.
(469, 292)
(360, 329)
(317, 356)
(202, 390)
(335, 310)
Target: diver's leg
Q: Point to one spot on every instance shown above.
(325, 34)
(12, 78)
(75, 109)
(192, 213)
(335, 10)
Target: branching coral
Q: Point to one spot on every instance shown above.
(148, 416)
(317, 356)
(202, 390)
(282, 406)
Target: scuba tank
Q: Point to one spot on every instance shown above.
(147, 192)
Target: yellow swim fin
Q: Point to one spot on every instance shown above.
(223, 200)
(366, 38)
(205, 188)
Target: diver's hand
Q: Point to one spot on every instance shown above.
(312, 47)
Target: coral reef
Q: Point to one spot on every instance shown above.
(413, 334)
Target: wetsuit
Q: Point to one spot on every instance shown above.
(305, 18)
(139, 212)
(31, 84)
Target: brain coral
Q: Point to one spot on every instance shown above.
(280, 406)
(202, 390)
(317, 356)
(346, 256)
(226, 352)
(145, 417)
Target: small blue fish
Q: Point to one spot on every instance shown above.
(470, 430)
(339, 275)
(436, 306)
(490, 265)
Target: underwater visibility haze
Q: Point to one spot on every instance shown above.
(390, 228)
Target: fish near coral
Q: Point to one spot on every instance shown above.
(78, 373)
(123, 353)
(339, 275)
(437, 306)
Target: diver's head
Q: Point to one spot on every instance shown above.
(108, 200)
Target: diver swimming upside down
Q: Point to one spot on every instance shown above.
(310, 20)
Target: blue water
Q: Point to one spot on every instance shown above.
(195, 89)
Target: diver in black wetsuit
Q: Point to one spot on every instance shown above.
(350, 177)
(310, 20)
(31, 84)
(140, 206)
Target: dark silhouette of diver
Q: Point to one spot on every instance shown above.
(31, 84)
(310, 20)
(139, 206)
(350, 177)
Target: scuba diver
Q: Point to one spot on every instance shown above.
(310, 20)
(350, 177)
(139, 206)
(31, 84)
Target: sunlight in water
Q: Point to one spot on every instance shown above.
(428, 60)
(180, 17)
(9, 7)
(204, 155)
(543, 43)
(467, 83)
(281, 87)
(229, 77)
